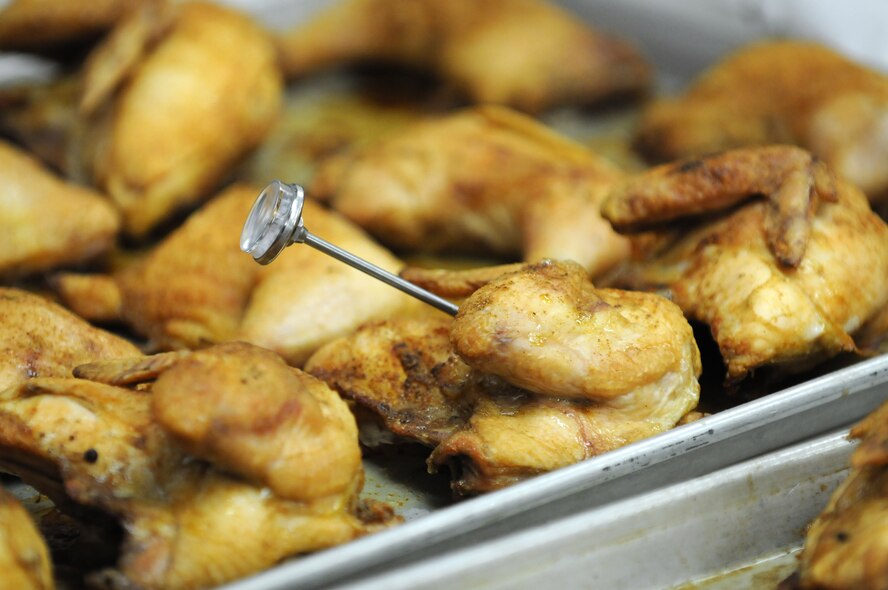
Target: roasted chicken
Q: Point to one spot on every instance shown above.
(780, 92)
(191, 523)
(24, 558)
(845, 546)
(486, 181)
(779, 283)
(46, 222)
(528, 54)
(513, 386)
(39, 338)
(179, 93)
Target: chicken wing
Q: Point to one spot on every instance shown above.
(180, 93)
(29, 25)
(24, 558)
(765, 308)
(524, 53)
(847, 545)
(430, 380)
(484, 180)
(780, 92)
(46, 222)
(39, 338)
(187, 523)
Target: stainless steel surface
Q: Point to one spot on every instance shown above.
(734, 435)
(275, 222)
(735, 528)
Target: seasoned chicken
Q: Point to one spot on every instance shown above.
(39, 338)
(197, 288)
(46, 222)
(29, 25)
(780, 92)
(845, 547)
(485, 180)
(189, 524)
(528, 54)
(538, 370)
(179, 93)
(782, 283)
(24, 558)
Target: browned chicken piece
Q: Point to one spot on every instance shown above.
(33, 25)
(846, 547)
(780, 92)
(187, 524)
(492, 433)
(485, 180)
(729, 271)
(179, 93)
(197, 288)
(94, 297)
(46, 222)
(528, 54)
(24, 558)
(39, 338)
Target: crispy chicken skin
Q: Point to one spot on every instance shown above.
(780, 92)
(527, 54)
(730, 273)
(24, 558)
(428, 380)
(846, 546)
(46, 222)
(484, 180)
(180, 92)
(29, 25)
(197, 288)
(39, 338)
(189, 524)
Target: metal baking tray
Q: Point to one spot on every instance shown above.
(739, 527)
(795, 414)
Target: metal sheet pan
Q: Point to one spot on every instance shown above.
(735, 528)
(761, 426)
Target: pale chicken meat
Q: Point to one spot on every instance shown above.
(780, 92)
(197, 288)
(483, 181)
(782, 284)
(46, 222)
(178, 94)
(845, 547)
(39, 338)
(190, 523)
(429, 380)
(36, 25)
(24, 557)
(529, 54)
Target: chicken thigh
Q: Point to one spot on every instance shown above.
(24, 558)
(780, 92)
(529, 54)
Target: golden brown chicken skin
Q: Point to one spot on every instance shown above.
(46, 222)
(845, 547)
(528, 54)
(39, 338)
(179, 93)
(197, 288)
(427, 380)
(24, 558)
(188, 524)
(485, 180)
(731, 271)
(29, 25)
(780, 92)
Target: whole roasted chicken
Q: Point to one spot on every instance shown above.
(528, 54)
(539, 370)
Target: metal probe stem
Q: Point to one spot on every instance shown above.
(374, 271)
